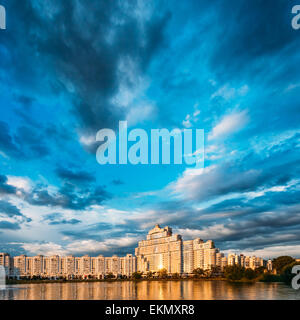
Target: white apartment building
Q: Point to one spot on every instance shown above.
(70, 267)
(161, 250)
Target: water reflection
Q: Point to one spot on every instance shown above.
(154, 290)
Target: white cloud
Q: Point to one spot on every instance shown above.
(87, 140)
(214, 232)
(78, 247)
(227, 92)
(292, 86)
(271, 252)
(47, 249)
(20, 182)
(191, 118)
(140, 113)
(229, 124)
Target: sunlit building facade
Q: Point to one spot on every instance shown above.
(70, 267)
(161, 250)
(164, 250)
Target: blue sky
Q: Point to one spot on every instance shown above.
(71, 68)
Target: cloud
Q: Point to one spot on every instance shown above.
(244, 48)
(8, 209)
(9, 225)
(22, 183)
(57, 219)
(68, 196)
(76, 176)
(272, 251)
(228, 125)
(6, 188)
(78, 247)
(112, 34)
(47, 249)
(117, 182)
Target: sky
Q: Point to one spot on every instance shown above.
(71, 68)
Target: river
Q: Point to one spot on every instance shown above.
(150, 290)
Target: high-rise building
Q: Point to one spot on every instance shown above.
(161, 250)
(164, 250)
(20, 265)
(7, 262)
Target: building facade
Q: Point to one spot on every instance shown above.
(164, 250)
(161, 250)
(68, 267)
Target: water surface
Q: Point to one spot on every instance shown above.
(152, 290)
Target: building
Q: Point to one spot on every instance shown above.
(164, 250)
(161, 250)
(269, 265)
(70, 267)
(7, 262)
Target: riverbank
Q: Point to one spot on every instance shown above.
(41, 281)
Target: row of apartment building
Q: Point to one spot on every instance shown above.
(68, 267)
(161, 250)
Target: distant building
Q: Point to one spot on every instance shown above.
(7, 262)
(161, 250)
(269, 265)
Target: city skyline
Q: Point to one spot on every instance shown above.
(161, 250)
(71, 68)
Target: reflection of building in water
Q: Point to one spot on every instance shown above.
(161, 250)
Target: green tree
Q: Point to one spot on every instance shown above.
(260, 270)
(250, 274)
(282, 261)
(287, 275)
(234, 272)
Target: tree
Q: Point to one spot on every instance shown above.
(234, 272)
(149, 275)
(175, 275)
(250, 274)
(282, 261)
(110, 276)
(137, 275)
(287, 275)
(260, 270)
(198, 272)
(163, 273)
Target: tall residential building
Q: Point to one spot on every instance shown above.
(20, 265)
(163, 250)
(7, 262)
(35, 265)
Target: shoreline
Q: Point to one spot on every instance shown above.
(39, 281)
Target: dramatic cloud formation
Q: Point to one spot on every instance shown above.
(70, 68)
